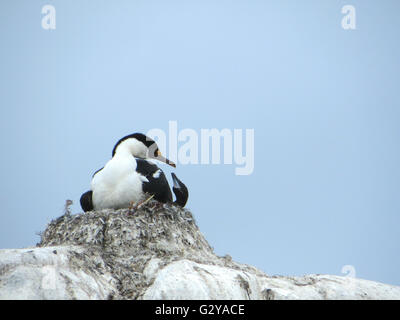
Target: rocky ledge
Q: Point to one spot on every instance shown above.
(155, 252)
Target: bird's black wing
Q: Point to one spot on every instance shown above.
(180, 190)
(157, 184)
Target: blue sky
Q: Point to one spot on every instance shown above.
(323, 102)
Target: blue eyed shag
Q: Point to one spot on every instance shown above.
(130, 175)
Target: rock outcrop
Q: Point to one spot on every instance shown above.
(156, 252)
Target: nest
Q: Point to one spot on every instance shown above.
(148, 227)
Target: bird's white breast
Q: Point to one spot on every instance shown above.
(117, 185)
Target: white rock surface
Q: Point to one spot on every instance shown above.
(45, 273)
(155, 253)
(186, 279)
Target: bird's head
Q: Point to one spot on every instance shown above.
(140, 146)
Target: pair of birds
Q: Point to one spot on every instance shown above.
(130, 175)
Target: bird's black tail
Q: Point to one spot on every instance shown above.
(180, 190)
(86, 201)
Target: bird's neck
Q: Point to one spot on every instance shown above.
(124, 160)
(123, 153)
(131, 148)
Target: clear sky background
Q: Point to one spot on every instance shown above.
(323, 101)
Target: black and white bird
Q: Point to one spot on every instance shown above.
(130, 175)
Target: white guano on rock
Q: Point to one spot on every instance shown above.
(157, 252)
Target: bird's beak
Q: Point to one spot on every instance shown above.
(161, 158)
